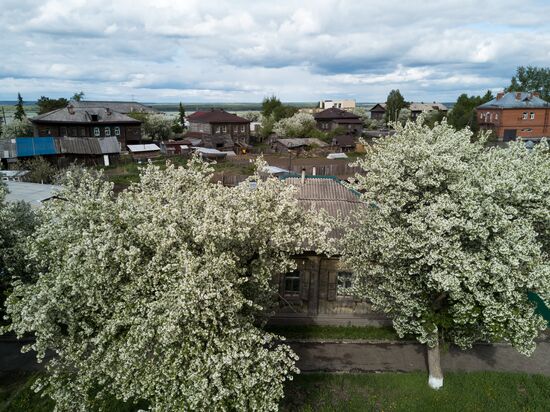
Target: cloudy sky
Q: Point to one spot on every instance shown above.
(241, 51)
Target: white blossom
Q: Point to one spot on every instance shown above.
(156, 294)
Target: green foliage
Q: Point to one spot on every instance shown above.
(19, 109)
(78, 96)
(45, 104)
(531, 79)
(17, 128)
(17, 221)
(154, 126)
(405, 392)
(40, 170)
(274, 111)
(181, 116)
(394, 103)
(463, 113)
(335, 332)
(446, 215)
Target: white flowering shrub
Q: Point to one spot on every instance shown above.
(299, 125)
(153, 295)
(454, 235)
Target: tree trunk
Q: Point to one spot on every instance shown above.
(434, 367)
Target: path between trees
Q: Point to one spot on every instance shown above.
(359, 356)
(409, 356)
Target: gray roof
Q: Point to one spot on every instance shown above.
(121, 107)
(8, 149)
(33, 193)
(515, 100)
(325, 193)
(298, 142)
(81, 115)
(87, 145)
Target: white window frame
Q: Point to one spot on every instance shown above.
(107, 131)
(243, 128)
(532, 115)
(224, 129)
(524, 116)
(117, 131)
(97, 132)
(344, 283)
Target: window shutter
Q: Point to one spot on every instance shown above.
(304, 284)
(332, 285)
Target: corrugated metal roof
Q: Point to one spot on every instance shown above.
(109, 145)
(325, 193)
(87, 145)
(8, 149)
(84, 115)
(427, 107)
(297, 142)
(121, 107)
(136, 148)
(35, 146)
(33, 193)
(515, 100)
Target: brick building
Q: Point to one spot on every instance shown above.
(515, 114)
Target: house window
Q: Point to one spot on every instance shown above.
(481, 116)
(218, 129)
(63, 131)
(292, 283)
(82, 132)
(96, 132)
(344, 284)
(496, 116)
(235, 129)
(243, 128)
(532, 115)
(108, 131)
(524, 117)
(224, 129)
(117, 131)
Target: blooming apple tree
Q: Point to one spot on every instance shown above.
(155, 295)
(453, 237)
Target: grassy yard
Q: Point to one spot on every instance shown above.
(408, 392)
(335, 332)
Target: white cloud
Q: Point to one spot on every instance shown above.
(244, 50)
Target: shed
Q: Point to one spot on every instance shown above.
(33, 193)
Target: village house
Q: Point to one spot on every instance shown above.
(319, 290)
(218, 122)
(90, 121)
(378, 111)
(515, 114)
(333, 118)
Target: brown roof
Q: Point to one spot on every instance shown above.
(344, 140)
(335, 114)
(325, 193)
(215, 116)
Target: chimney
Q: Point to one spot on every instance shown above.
(518, 95)
(70, 109)
(108, 110)
(500, 95)
(535, 94)
(314, 172)
(303, 175)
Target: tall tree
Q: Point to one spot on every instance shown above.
(45, 104)
(78, 96)
(463, 112)
(181, 115)
(531, 79)
(453, 238)
(394, 103)
(19, 109)
(154, 294)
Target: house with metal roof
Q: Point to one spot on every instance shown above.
(218, 122)
(33, 193)
(73, 121)
(333, 118)
(515, 115)
(319, 290)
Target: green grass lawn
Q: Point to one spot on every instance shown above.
(335, 332)
(409, 392)
(480, 391)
